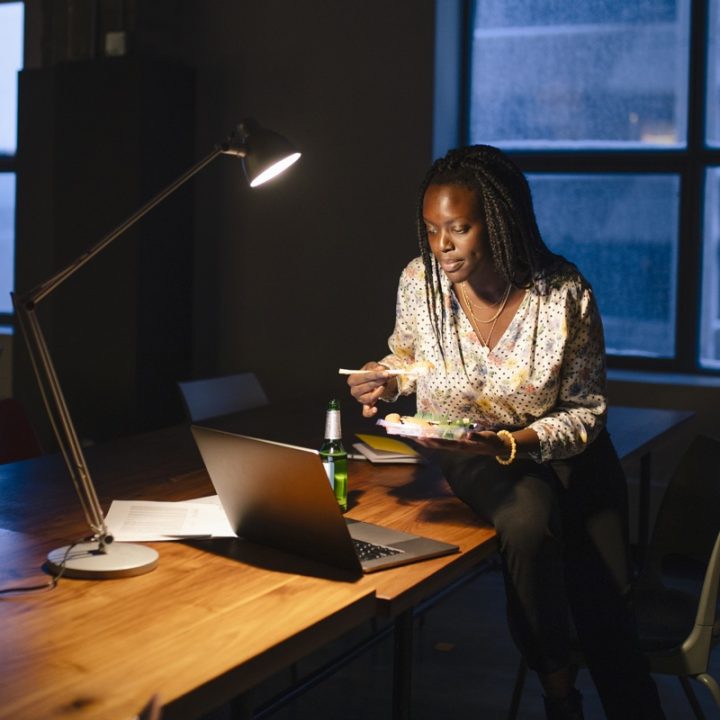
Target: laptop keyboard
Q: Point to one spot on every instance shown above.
(369, 551)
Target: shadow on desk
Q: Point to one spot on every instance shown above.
(416, 487)
(266, 558)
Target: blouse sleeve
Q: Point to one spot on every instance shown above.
(581, 408)
(402, 340)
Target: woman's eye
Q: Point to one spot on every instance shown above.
(430, 230)
(461, 229)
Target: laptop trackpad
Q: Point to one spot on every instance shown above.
(376, 534)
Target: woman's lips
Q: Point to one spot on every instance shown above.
(450, 266)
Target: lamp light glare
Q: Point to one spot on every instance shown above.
(275, 169)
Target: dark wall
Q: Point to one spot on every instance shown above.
(297, 278)
(96, 141)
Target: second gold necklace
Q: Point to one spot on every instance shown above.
(474, 321)
(469, 304)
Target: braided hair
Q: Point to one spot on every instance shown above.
(505, 203)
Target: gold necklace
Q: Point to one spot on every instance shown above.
(473, 320)
(503, 302)
(487, 305)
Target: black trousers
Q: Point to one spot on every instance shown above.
(562, 528)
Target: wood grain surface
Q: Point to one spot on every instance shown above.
(214, 618)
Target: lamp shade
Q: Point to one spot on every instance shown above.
(266, 153)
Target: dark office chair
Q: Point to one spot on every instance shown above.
(18, 440)
(213, 397)
(677, 592)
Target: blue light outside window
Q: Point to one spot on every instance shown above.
(621, 230)
(7, 239)
(579, 75)
(11, 61)
(712, 104)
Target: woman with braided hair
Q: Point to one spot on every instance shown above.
(513, 341)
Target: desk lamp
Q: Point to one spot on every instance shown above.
(265, 154)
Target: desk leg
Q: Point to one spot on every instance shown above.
(402, 666)
(644, 507)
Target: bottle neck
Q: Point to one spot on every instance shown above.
(333, 430)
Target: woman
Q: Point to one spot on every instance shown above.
(513, 340)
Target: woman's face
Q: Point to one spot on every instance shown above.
(455, 231)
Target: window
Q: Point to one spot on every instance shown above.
(710, 335)
(612, 109)
(585, 74)
(713, 76)
(11, 43)
(620, 230)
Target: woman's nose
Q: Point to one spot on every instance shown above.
(445, 242)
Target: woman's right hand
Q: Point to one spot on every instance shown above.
(368, 388)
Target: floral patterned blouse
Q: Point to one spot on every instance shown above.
(546, 372)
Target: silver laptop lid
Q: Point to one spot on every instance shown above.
(278, 495)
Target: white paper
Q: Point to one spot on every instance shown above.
(150, 520)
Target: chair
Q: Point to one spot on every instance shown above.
(212, 397)
(18, 440)
(676, 592)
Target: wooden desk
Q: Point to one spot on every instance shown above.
(203, 627)
(199, 629)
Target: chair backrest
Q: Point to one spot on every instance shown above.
(688, 520)
(213, 397)
(707, 607)
(18, 440)
(683, 563)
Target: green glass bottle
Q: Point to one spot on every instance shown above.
(333, 455)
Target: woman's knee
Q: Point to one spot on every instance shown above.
(531, 520)
(523, 534)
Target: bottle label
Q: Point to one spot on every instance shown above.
(329, 465)
(332, 425)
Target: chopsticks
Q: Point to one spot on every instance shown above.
(388, 371)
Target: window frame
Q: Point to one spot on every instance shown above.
(454, 31)
(9, 164)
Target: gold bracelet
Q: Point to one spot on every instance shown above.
(513, 447)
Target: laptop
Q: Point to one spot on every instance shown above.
(279, 495)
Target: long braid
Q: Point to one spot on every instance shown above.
(433, 296)
(505, 201)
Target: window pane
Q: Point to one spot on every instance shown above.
(713, 76)
(710, 317)
(621, 231)
(7, 239)
(11, 44)
(586, 73)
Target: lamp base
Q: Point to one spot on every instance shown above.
(120, 559)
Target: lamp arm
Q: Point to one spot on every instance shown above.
(44, 369)
(42, 290)
(60, 420)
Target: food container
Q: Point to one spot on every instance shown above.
(419, 427)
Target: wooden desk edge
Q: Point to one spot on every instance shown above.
(684, 418)
(391, 605)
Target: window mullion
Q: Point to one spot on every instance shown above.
(689, 269)
(691, 201)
